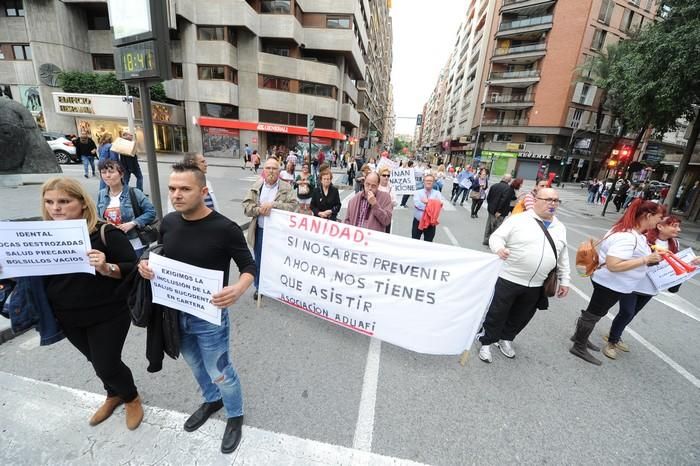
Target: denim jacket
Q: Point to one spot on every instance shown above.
(29, 306)
(127, 211)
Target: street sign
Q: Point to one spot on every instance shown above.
(419, 120)
(372, 134)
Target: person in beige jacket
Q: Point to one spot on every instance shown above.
(266, 194)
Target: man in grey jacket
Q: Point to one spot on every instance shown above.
(529, 257)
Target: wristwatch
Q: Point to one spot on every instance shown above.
(112, 268)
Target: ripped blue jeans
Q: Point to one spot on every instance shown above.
(205, 347)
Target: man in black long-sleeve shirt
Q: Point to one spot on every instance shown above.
(199, 236)
(86, 149)
(498, 200)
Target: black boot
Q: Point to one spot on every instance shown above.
(584, 328)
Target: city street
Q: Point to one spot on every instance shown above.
(321, 394)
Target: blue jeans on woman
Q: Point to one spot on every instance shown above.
(630, 305)
(205, 347)
(88, 161)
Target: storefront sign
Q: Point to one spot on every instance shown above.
(489, 153)
(110, 107)
(74, 104)
(268, 127)
(364, 281)
(529, 155)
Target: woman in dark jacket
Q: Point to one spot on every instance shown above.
(325, 200)
(91, 309)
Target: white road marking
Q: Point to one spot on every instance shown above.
(364, 430)
(452, 238)
(674, 365)
(678, 303)
(175, 446)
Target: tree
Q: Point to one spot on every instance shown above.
(658, 80)
(399, 144)
(103, 83)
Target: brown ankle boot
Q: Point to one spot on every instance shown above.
(134, 413)
(105, 410)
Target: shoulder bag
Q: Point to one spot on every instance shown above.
(550, 284)
(148, 233)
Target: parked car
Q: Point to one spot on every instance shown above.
(62, 147)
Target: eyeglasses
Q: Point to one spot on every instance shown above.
(385, 176)
(550, 200)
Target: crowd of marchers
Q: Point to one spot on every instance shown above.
(94, 312)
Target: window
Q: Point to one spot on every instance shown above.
(649, 4)
(217, 73)
(585, 89)
(535, 138)
(218, 110)
(22, 52)
(98, 21)
(321, 90)
(576, 118)
(276, 6)
(177, 70)
(14, 8)
(276, 50)
(103, 62)
(226, 33)
(598, 39)
(502, 137)
(338, 22)
(272, 82)
(627, 18)
(606, 9)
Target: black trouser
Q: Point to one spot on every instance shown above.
(511, 309)
(455, 191)
(102, 345)
(476, 205)
(492, 225)
(602, 300)
(428, 233)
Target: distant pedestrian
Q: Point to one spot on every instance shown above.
(130, 162)
(255, 161)
(425, 201)
(498, 200)
(478, 193)
(325, 200)
(86, 149)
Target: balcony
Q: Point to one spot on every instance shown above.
(349, 115)
(525, 27)
(521, 54)
(500, 123)
(513, 101)
(524, 78)
(287, 67)
(520, 5)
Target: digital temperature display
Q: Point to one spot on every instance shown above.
(136, 61)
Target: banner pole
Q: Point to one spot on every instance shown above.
(259, 300)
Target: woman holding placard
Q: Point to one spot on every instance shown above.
(661, 238)
(624, 256)
(91, 309)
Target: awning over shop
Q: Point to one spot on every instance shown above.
(268, 127)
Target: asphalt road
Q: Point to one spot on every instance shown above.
(307, 378)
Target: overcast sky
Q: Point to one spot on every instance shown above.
(424, 35)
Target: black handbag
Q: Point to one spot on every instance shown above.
(551, 283)
(148, 233)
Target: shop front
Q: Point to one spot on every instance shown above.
(499, 163)
(223, 137)
(99, 114)
(531, 166)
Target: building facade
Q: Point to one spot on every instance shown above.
(245, 72)
(533, 105)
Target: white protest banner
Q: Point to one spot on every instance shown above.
(425, 297)
(662, 275)
(403, 180)
(185, 287)
(51, 247)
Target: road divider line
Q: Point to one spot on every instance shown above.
(452, 238)
(663, 356)
(364, 430)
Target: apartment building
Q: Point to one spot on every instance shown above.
(535, 108)
(244, 71)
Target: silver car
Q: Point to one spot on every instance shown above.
(62, 147)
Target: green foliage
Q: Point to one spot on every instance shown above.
(655, 75)
(399, 144)
(102, 83)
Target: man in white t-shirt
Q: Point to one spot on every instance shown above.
(529, 258)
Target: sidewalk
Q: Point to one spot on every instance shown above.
(44, 423)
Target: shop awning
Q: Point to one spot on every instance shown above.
(268, 127)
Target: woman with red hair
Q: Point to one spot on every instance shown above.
(664, 238)
(624, 255)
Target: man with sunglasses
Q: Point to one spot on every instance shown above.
(529, 257)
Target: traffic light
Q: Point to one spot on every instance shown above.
(310, 124)
(625, 154)
(612, 163)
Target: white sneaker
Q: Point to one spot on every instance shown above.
(485, 353)
(506, 348)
